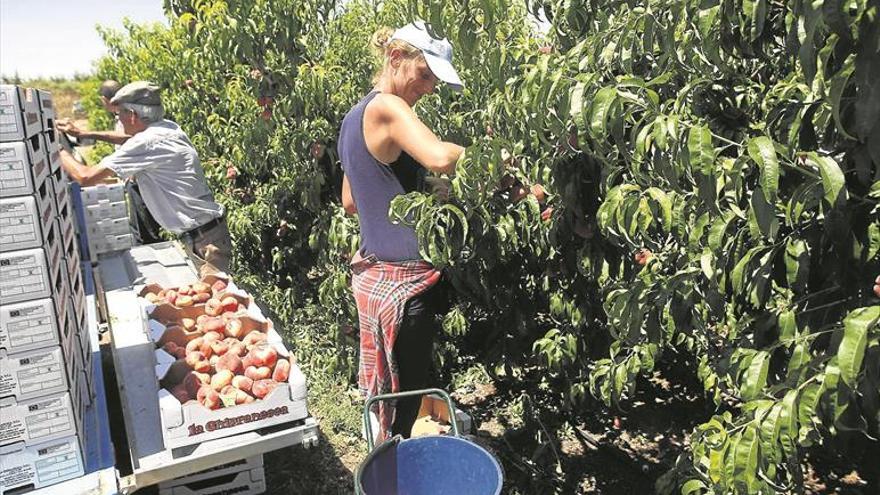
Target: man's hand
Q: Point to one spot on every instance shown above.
(69, 128)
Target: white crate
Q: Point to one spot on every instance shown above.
(38, 420)
(67, 233)
(47, 109)
(33, 374)
(41, 465)
(25, 222)
(24, 165)
(108, 227)
(106, 210)
(30, 273)
(109, 243)
(106, 192)
(53, 150)
(60, 186)
(250, 482)
(192, 423)
(19, 113)
(255, 462)
(29, 325)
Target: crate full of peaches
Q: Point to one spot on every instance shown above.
(222, 368)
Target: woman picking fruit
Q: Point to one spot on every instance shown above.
(385, 152)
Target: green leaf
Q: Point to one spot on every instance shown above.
(605, 98)
(838, 85)
(702, 153)
(851, 352)
(762, 152)
(755, 378)
(832, 177)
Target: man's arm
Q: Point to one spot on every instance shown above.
(85, 176)
(347, 199)
(113, 137)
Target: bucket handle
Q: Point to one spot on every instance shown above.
(409, 393)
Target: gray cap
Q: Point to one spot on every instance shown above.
(138, 93)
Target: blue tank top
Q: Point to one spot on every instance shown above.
(373, 186)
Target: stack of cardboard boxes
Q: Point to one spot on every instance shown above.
(45, 354)
(107, 227)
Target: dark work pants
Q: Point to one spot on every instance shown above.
(413, 350)
(143, 225)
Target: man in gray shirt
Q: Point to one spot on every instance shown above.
(160, 156)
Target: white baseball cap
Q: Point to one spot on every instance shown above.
(438, 53)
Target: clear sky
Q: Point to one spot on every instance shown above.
(46, 38)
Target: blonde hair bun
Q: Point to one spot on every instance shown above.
(380, 40)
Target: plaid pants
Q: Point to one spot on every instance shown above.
(381, 290)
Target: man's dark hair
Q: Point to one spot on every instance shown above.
(109, 88)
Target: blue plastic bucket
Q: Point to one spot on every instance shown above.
(431, 465)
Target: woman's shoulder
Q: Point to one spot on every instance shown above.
(386, 107)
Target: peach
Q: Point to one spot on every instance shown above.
(218, 286)
(213, 307)
(212, 400)
(202, 392)
(153, 298)
(230, 362)
(206, 349)
(262, 388)
(201, 287)
(201, 297)
(213, 360)
(264, 355)
(237, 348)
(229, 303)
(184, 290)
(194, 357)
(188, 324)
(258, 372)
(242, 383)
(254, 337)
(213, 325)
(212, 336)
(200, 320)
(170, 296)
(219, 347)
(234, 328)
(194, 344)
(221, 379)
(282, 371)
(183, 301)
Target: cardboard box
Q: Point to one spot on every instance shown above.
(192, 423)
(25, 222)
(47, 109)
(24, 166)
(41, 465)
(30, 273)
(106, 210)
(29, 325)
(251, 482)
(33, 374)
(433, 418)
(38, 420)
(19, 113)
(53, 150)
(102, 192)
(251, 463)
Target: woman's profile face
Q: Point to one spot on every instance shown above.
(414, 79)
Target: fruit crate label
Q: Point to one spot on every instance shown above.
(28, 326)
(21, 275)
(33, 374)
(44, 418)
(17, 224)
